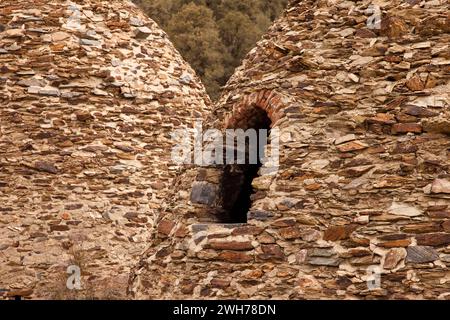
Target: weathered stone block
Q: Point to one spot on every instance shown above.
(395, 243)
(440, 186)
(433, 239)
(404, 209)
(321, 261)
(339, 232)
(420, 112)
(235, 257)
(403, 128)
(352, 146)
(393, 258)
(421, 254)
(142, 32)
(231, 245)
(290, 233)
(165, 227)
(440, 125)
(220, 283)
(59, 227)
(45, 166)
(272, 251)
(247, 230)
(393, 27)
(260, 215)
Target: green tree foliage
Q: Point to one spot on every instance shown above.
(214, 35)
(195, 33)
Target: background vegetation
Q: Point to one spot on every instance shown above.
(214, 35)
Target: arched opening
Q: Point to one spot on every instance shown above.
(235, 188)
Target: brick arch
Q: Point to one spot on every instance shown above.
(206, 190)
(268, 100)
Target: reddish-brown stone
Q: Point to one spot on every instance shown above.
(405, 118)
(420, 112)
(393, 258)
(365, 33)
(422, 228)
(20, 292)
(220, 283)
(272, 251)
(439, 214)
(433, 239)
(393, 27)
(158, 185)
(65, 216)
(247, 230)
(290, 233)
(83, 116)
(45, 166)
(187, 286)
(165, 227)
(446, 225)
(356, 252)
(394, 236)
(335, 233)
(231, 245)
(352, 146)
(400, 128)
(382, 118)
(59, 227)
(235, 257)
(415, 84)
(405, 147)
(285, 222)
(313, 187)
(395, 243)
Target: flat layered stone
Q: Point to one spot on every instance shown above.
(433, 239)
(421, 254)
(165, 227)
(419, 111)
(336, 233)
(231, 245)
(403, 128)
(247, 230)
(235, 257)
(415, 83)
(352, 146)
(395, 243)
(393, 258)
(290, 233)
(272, 252)
(319, 252)
(439, 125)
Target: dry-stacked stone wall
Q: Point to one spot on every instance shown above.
(363, 188)
(90, 92)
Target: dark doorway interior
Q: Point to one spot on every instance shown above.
(236, 182)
